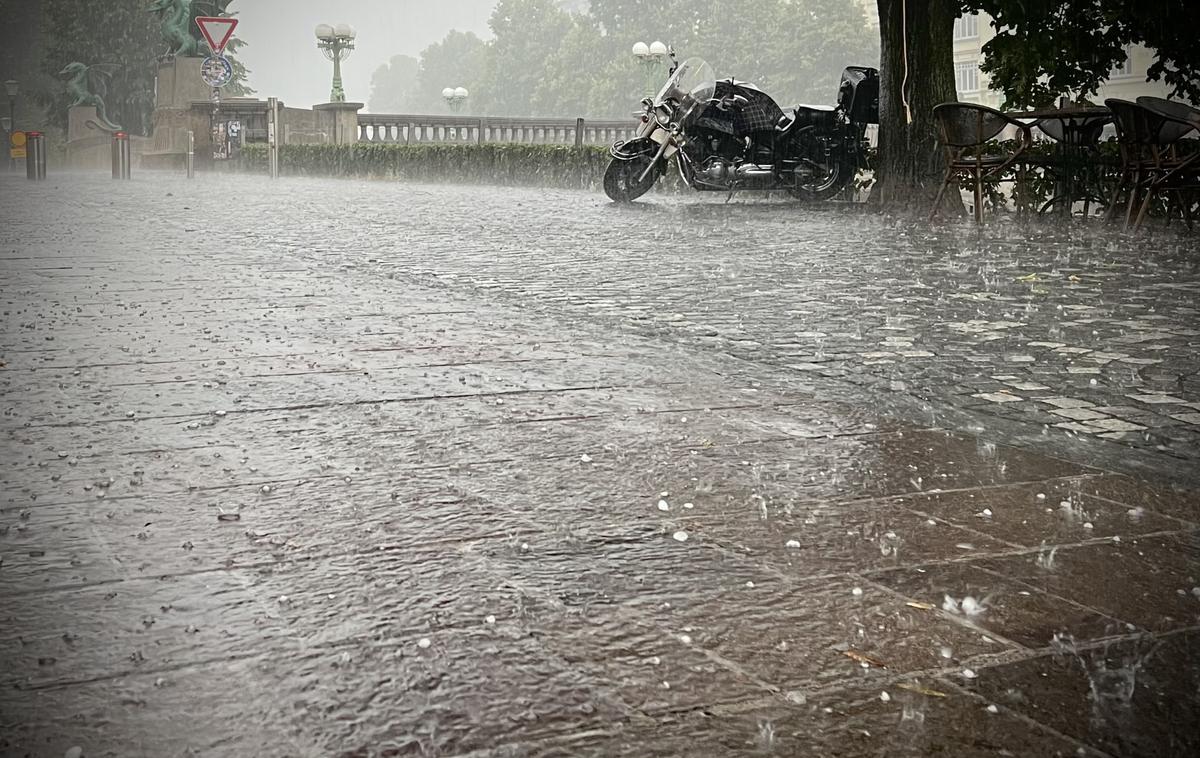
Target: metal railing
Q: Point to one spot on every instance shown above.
(417, 130)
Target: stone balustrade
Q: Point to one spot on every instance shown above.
(418, 130)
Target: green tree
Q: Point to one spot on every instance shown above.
(794, 49)
(393, 85)
(916, 72)
(119, 33)
(124, 36)
(587, 75)
(527, 32)
(545, 60)
(459, 60)
(1047, 48)
(21, 52)
(1042, 49)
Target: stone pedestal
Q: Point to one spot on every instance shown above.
(83, 122)
(340, 121)
(179, 84)
(177, 88)
(89, 145)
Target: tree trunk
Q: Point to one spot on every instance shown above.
(909, 166)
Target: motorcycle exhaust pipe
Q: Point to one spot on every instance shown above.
(755, 172)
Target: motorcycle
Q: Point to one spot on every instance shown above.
(730, 136)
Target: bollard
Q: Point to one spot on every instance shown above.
(273, 137)
(191, 156)
(35, 156)
(121, 156)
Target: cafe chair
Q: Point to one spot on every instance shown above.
(966, 132)
(1184, 180)
(1151, 163)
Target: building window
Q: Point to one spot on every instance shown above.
(966, 27)
(1124, 68)
(966, 77)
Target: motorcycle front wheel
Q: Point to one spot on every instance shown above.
(621, 179)
(827, 184)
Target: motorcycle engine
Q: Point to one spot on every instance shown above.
(716, 170)
(720, 144)
(716, 153)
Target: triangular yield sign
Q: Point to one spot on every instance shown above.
(216, 31)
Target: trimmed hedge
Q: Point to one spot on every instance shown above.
(503, 164)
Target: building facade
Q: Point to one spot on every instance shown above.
(1127, 81)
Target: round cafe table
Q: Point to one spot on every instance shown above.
(1076, 130)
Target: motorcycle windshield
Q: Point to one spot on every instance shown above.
(690, 87)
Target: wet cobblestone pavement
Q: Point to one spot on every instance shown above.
(359, 469)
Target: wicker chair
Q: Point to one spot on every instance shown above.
(1180, 113)
(1184, 178)
(965, 130)
(1147, 135)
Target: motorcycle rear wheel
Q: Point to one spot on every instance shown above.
(829, 185)
(621, 179)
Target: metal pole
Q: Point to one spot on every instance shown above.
(122, 156)
(278, 137)
(338, 93)
(191, 156)
(273, 137)
(12, 128)
(35, 160)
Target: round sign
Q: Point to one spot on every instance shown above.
(18, 139)
(216, 71)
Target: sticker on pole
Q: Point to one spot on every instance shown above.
(216, 71)
(216, 31)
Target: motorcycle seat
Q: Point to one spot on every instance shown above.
(790, 115)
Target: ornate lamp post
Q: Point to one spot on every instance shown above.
(455, 97)
(13, 88)
(337, 42)
(649, 57)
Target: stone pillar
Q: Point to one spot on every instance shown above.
(89, 145)
(179, 84)
(340, 121)
(177, 88)
(83, 122)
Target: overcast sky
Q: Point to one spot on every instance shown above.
(283, 58)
